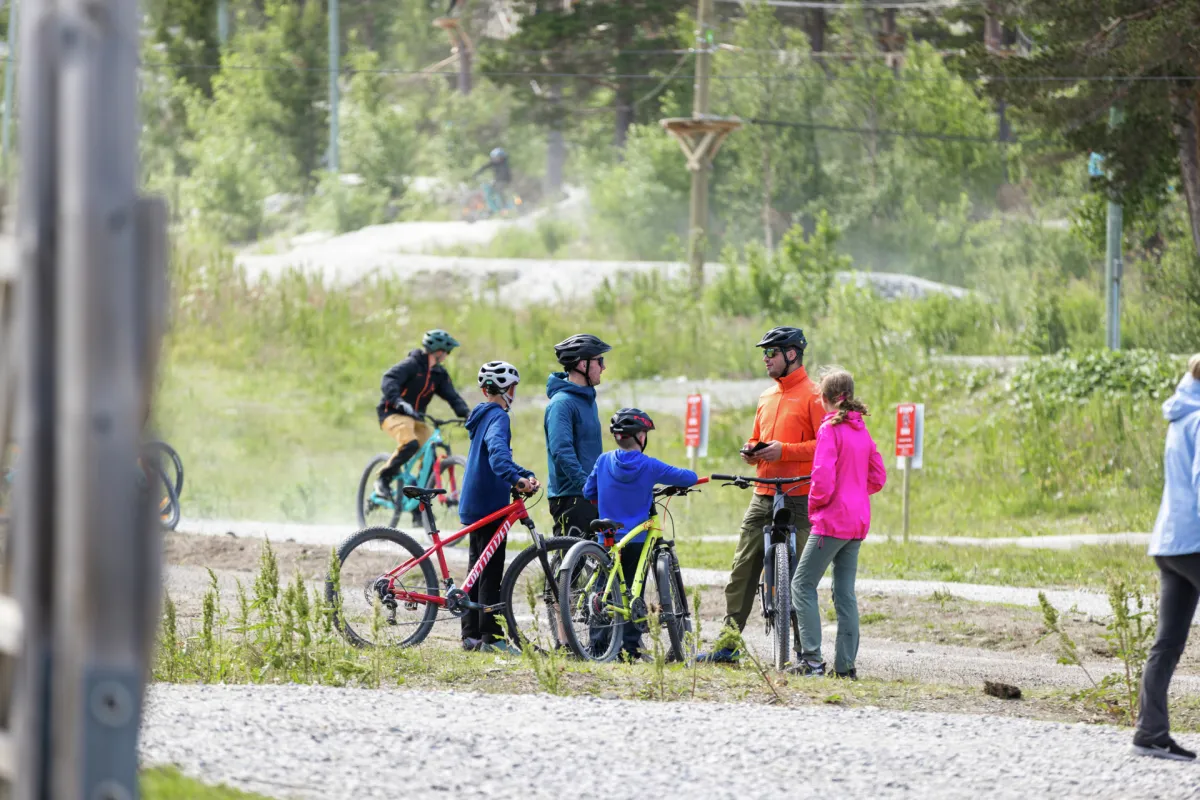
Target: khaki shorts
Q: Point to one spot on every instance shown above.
(404, 429)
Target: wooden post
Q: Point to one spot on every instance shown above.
(698, 207)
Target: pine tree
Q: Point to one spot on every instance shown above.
(1141, 55)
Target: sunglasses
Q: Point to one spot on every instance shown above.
(598, 359)
(771, 352)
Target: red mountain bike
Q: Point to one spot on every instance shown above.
(387, 567)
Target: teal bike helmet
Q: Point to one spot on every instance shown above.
(438, 339)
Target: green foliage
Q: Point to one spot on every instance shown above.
(1072, 377)
(640, 203)
(378, 141)
(797, 279)
(1073, 40)
(341, 206)
(167, 783)
(1129, 635)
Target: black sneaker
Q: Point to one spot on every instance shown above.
(808, 669)
(851, 674)
(472, 645)
(383, 489)
(1167, 748)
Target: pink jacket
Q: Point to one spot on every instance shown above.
(847, 469)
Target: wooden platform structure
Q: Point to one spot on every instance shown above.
(700, 137)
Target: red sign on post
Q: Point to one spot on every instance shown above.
(692, 421)
(906, 430)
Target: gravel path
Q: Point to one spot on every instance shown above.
(315, 742)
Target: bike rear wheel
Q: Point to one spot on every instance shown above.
(591, 629)
(171, 463)
(373, 510)
(365, 558)
(673, 612)
(530, 597)
(782, 627)
(164, 490)
(450, 470)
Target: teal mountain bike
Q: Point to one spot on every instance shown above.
(432, 467)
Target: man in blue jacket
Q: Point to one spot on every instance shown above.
(623, 482)
(488, 481)
(573, 434)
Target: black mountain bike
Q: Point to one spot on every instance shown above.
(779, 562)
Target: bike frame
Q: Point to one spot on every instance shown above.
(512, 513)
(405, 477)
(654, 535)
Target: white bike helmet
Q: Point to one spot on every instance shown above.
(499, 376)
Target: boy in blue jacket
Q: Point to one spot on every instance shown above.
(622, 483)
(488, 480)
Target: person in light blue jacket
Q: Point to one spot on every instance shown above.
(1175, 545)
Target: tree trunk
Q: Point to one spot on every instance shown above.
(556, 151)
(767, 186)
(624, 113)
(815, 28)
(1186, 105)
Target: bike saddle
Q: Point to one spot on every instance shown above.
(601, 525)
(416, 492)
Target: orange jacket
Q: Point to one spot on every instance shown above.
(789, 412)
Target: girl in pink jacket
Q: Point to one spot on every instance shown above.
(847, 470)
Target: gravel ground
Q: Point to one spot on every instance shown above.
(315, 742)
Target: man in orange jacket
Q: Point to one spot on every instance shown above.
(788, 416)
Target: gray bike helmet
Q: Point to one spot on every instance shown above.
(580, 347)
(438, 339)
(497, 154)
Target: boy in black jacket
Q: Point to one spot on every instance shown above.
(407, 389)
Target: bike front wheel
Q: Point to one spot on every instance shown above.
(590, 624)
(673, 612)
(362, 611)
(782, 628)
(530, 595)
(374, 510)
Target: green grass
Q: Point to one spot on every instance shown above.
(167, 783)
(1003, 566)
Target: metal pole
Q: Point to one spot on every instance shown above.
(9, 84)
(907, 473)
(1113, 261)
(698, 210)
(334, 63)
(223, 22)
(464, 61)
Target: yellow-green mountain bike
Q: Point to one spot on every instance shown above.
(601, 586)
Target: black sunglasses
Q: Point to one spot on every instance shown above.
(771, 352)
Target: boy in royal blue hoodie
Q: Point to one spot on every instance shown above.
(488, 481)
(622, 484)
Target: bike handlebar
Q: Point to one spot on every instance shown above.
(744, 481)
(673, 491)
(440, 423)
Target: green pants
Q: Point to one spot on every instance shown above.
(743, 584)
(817, 555)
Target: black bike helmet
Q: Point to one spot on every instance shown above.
(784, 336)
(580, 347)
(630, 422)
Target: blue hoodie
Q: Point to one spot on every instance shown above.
(491, 472)
(623, 481)
(1177, 529)
(573, 435)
